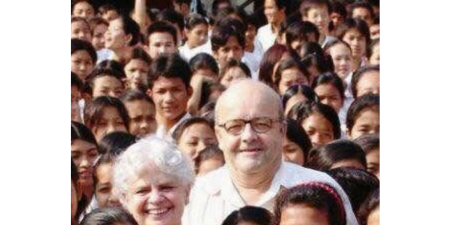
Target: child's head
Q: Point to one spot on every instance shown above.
(341, 53)
(204, 64)
(249, 215)
(366, 80)
(196, 30)
(314, 58)
(228, 41)
(369, 212)
(104, 115)
(370, 143)
(320, 122)
(107, 79)
(297, 144)
(83, 8)
(310, 203)
(109, 216)
(288, 73)
(363, 116)
(362, 10)
(108, 12)
(142, 112)
(194, 135)
(330, 89)
(84, 152)
(338, 153)
(79, 28)
(136, 69)
(317, 12)
(162, 38)
(83, 58)
(169, 86)
(298, 94)
(355, 32)
(122, 32)
(209, 159)
(98, 26)
(299, 32)
(232, 71)
(357, 184)
(374, 52)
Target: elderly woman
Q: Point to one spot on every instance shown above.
(152, 180)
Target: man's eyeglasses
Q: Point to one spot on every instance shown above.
(259, 125)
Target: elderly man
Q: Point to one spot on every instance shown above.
(250, 129)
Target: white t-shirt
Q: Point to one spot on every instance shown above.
(266, 37)
(188, 53)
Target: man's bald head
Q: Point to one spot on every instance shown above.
(248, 90)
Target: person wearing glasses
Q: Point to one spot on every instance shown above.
(250, 129)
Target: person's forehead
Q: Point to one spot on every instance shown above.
(165, 82)
(160, 36)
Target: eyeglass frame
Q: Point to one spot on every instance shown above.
(251, 126)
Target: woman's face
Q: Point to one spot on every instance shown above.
(104, 186)
(303, 214)
(198, 35)
(107, 86)
(196, 138)
(110, 122)
(289, 77)
(369, 82)
(156, 198)
(366, 122)
(319, 129)
(98, 40)
(136, 71)
(84, 155)
(292, 152)
(357, 42)
(342, 60)
(115, 37)
(80, 30)
(81, 63)
(329, 95)
(232, 74)
(272, 12)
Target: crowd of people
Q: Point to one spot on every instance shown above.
(190, 112)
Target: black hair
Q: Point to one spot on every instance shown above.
(194, 20)
(76, 81)
(330, 78)
(81, 203)
(306, 5)
(339, 8)
(79, 45)
(324, 157)
(317, 195)
(358, 24)
(252, 214)
(301, 111)
(208, 88)
(305, 90)
(288, 64)
(359, 73)
(108, 216)
(178, 132)
(368, 142)
(82, 132)
(227, 28)
(172, 16)
(215, 6)
(357, 184)
(312, 54)
(93, 112)
(130, 27)
(361, 4)
(204, 61)
(298, 135)
(170, 66)
(210, 152)
(134, 95)
(140, 53)
(104, 8)
(234, 63)
(74, 2)
(299, 30)
(110, 68)
(95, 21)
(162, 27)
(367, 101)
(371, 204)
(115, 143)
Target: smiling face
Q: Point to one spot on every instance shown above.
(170, 96)
(115, 36)
(342, 60)
(196, 138)
(250, 152)
(155, 198)
(84, 155)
